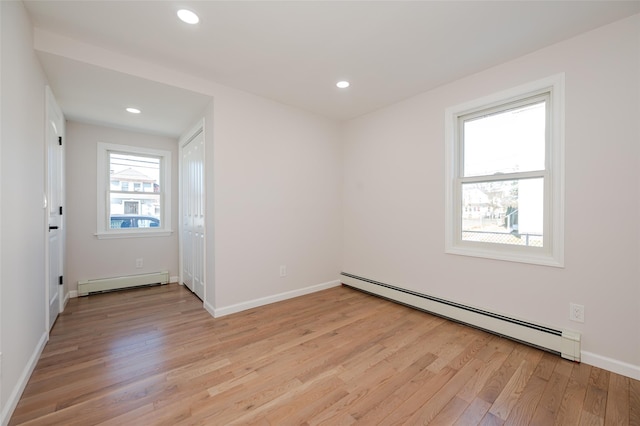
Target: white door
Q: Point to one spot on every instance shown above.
(54, 206)
(192, 220)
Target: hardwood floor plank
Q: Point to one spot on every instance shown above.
(617, 411)
(435, 404)
(491, 419)
(599, 378)
(154, 356)
(451, 412)
(308, 403)
(634, 402)
(573, 398)
(546, 366)
(414, 393)
(474, 413)
(470, 391)
(499, 379)
(565, 367)
(512, 391)
(495, 345)
(594, 406)
(588, 419)
(470, 351)
(358, 388)
(459, 336)
(549, 404)
(524, 409)
(376, 404)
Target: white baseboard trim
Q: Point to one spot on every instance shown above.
(73, 294)
(66, 300)
(610, 364)
(209, 308)
(16, 393)
(174, 279)
(239, 307)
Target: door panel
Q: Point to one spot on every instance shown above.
(55, 249)
(193, 248)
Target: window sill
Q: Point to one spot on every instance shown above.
(534, 258)
(133, 234)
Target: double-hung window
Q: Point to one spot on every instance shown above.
(134, 191)
(505, 175)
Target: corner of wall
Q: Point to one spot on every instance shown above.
(249, 304)
(16, 392)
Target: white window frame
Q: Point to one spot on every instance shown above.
(104, 230)
(552, 253)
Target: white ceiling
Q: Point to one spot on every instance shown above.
(295, 52)
(92, 94)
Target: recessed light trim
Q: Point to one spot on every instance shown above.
(133, 110)
(343, 84)
(188, 16)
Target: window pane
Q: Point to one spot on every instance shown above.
(137, 210)
(505, 142)
(137, 182)
(134, 173)
(135, 191)
(504, 212)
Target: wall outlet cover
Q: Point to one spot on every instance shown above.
(576, 312)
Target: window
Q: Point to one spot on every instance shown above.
(505, 175)
(130, 206)
(134, 197)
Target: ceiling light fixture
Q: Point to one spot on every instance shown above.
(188, 16)
(133, 110)
(343, 84)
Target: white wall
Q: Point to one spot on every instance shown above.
(87, 257)
(277, 199)
(22, 270)
(394, 198)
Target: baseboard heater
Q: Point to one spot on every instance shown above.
(562, 342)
(116, 283)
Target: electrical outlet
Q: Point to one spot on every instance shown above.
(139, 262)
(576, 312)
(283, 270)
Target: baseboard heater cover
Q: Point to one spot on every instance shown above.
(116, 283)
(563, 342)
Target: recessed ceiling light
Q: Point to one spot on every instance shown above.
(343, 84)
(188, 16)
(133, 110)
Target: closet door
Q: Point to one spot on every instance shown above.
(193, 249)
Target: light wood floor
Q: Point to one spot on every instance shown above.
(153, 356)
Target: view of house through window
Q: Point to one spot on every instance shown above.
(134, 191)
(503, 174)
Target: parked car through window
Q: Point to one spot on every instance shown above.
(119, 221)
